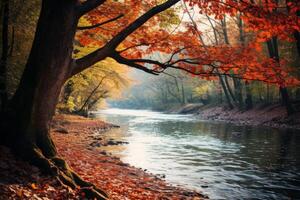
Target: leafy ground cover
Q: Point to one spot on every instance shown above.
(73, 137)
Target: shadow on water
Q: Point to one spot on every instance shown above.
(221, 160)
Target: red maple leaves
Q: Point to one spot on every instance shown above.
(262, 20)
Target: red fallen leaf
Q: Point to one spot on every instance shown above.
(34, 186)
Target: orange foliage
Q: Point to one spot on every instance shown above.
(266, 19)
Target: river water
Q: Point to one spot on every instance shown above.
(220, 160)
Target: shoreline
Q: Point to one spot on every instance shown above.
(119, 179)
(272, 116)
(73, 137)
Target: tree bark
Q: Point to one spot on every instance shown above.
(286, 101)
(238, 90)
(248, 100)
(33, 105)
(226, 92)
(47, 68)
(229, 89)
(274, 53)
(4, 56)
(183, 101)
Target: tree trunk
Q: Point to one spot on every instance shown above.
(268, 98)
(225, 92)
(33, 105)
(296, 33)
(286, 101)
(248, 100)
(4, 56)
(274, 53)
(297, 37)
(229, 89)
(238, 92)
(183, 102)
(47, 68)
(86, 102)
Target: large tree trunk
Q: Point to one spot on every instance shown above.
(47, 69)
(33, 105)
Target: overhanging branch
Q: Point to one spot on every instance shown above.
(81, 28)
(110, 47)
(117, 57)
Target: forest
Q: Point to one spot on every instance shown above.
(82, 80)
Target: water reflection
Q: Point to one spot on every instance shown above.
(222, 160)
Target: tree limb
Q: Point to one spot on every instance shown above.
(81, 28)
(131, 63)
(110, 47)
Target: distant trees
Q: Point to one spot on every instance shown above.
(87, 90)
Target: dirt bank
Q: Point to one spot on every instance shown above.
(75, 138)
(272, 115)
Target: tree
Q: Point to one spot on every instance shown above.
(49, 65)
(132, 36)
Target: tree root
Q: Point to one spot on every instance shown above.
(65, 175)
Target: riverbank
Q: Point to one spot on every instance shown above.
(274, 116)
(77, 139)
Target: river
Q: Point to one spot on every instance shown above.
(220, 160)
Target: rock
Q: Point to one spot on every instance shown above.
(112, 142)
(61, 130)
(115, 126)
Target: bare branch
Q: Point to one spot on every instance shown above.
(131, 63)
(134, 46)
(81, 28)
(176, 52)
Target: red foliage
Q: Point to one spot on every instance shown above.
(264, 19)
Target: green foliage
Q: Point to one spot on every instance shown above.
(89, 89)
(22, 23)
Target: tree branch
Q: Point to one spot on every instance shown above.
(139, 22)
(110, 47)
(130, 63)
(81, 28)
(134, 46)
(89, 5)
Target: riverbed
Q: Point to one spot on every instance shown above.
(221, 160)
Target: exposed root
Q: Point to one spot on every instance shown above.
(89, 189)
(66, 176)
